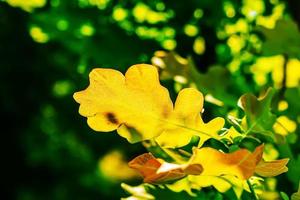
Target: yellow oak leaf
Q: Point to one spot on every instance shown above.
(228, 170)
(135, 104)
(271, 168)
(139, 108)
(241, 163)
(183, 185)
(186, 121)
(221, 183)
(206, 181)
(157, 171)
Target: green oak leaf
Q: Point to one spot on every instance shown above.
(258, 113)
(283, 39)
(216, 81)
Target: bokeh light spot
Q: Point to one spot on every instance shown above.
(198, 13)
(199, 45)
(87, 30)
(62, 88)
(119, 14)
(190, 30)
(38, 35)
(62, 25)
(169, 44)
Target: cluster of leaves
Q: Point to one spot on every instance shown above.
(181, 127)
(140, 109)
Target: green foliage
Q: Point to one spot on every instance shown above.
(257, 110)
(289, 34)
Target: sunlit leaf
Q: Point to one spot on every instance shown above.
(205, 181)
(188, 105)
(139, 108)
(257, 111)
(183, 185)
(220, 183)
(241, 163)
(113, 101)
(271, 168)
(157, 171)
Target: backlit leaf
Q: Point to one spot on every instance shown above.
(113, 101)
(205, 181)
(157, 171)
(209, 167)
(257, 110)
(183, 185)
(188, 105)
(241, 163)
(139, 108)
(271, 168)
(220, 183)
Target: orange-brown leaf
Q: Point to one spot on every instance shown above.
(271, 168)
(155, 171)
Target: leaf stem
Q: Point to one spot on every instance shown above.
(284, 79)
(252, 190)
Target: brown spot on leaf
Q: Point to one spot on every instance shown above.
(165, 112)
(111, 117)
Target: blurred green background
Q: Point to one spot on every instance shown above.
(48, 47)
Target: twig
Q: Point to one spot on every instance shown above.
(284, 79)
